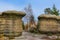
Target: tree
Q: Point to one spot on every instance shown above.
(47, 11)
(55, 11)
(52, 11)
(29, 18)
(29, 13)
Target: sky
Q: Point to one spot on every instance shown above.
(38, 6)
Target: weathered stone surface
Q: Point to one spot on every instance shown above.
(49, 23)
(14, 12)
(11, 23)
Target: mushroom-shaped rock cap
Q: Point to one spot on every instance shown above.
(47, 16)
(14, 12)
(58, 17)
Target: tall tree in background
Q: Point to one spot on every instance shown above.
(29, 13)
(29, 18)
(55, 11)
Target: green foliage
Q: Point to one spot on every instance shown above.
(55, 11)
(47, 11)
(33, 30)
(49, 34)
(52, 11)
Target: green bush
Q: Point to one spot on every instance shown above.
(33, 30)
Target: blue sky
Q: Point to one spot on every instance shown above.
(38, 6)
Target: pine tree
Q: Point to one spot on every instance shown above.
(55, 11)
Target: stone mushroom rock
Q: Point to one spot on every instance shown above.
(49, 23)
